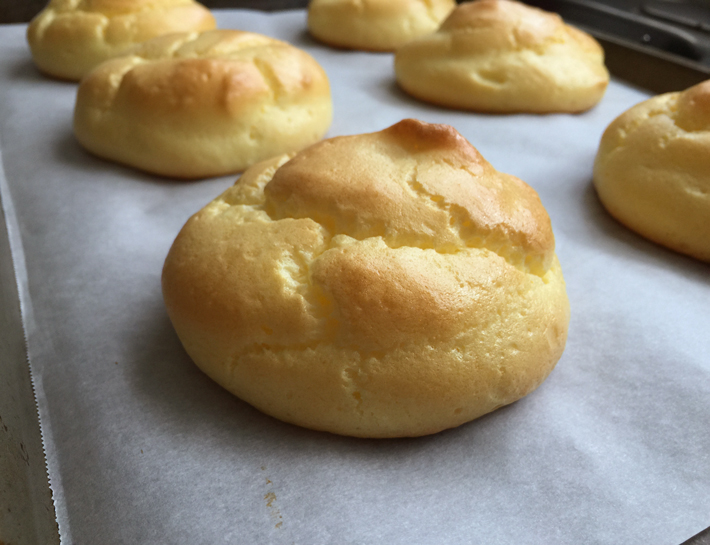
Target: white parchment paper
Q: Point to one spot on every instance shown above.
(143, 448)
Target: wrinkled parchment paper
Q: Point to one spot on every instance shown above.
(143, 448)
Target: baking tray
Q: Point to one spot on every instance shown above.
(142, 448)
(651, 52)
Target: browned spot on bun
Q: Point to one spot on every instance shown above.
(418, 181)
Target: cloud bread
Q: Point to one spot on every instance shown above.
(652, 170)
(191, 105)
(70, 37)
(503, 56)
(374, 25)
(380, 285)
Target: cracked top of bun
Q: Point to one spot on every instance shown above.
(70, 37)
(377, 285)
(223, 70)
(414, 184)
(191, 105)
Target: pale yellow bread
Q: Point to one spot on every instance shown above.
(191, 105)
(70, 37)
(374, 25)
(503, 56)
(379, 285)
(652, 170)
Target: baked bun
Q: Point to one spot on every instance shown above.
(374, 25)
(503, 56)
(379, 285)
(652, 170)
(195, 105)
(70, 37)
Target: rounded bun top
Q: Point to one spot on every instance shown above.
(70, 37)
(385, 183)
(115, 7)
(218, 71)
(660, 118)
(504, 24)
(375, 25)
(504, 56)
(366, 218)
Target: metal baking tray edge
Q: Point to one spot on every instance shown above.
(27, 514)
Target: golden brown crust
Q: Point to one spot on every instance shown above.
(504, 56)
(70, 37)
(652, 170)
(371, 187)
(374, 25)
(195, 105)
(370, 311)
(509, 24)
